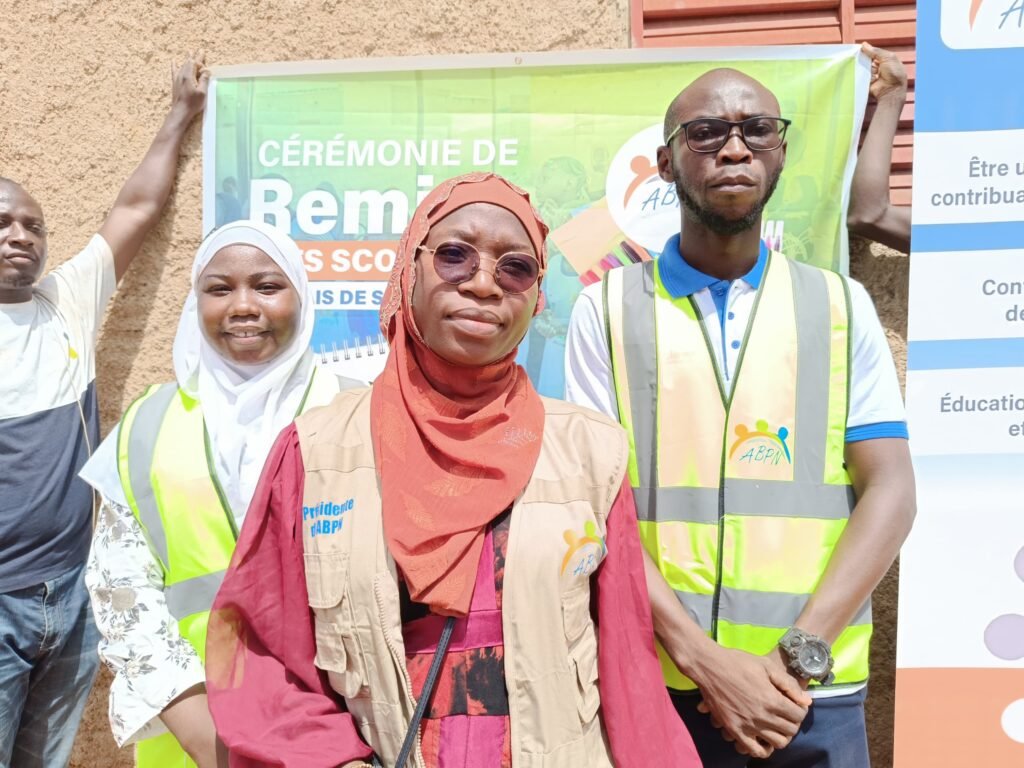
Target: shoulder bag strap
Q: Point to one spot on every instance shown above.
(428, 689)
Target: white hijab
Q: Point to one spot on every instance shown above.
(245, 406)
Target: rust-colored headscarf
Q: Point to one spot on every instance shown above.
(449, 465)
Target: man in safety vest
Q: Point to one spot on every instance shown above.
(49, 425)
(771, 502)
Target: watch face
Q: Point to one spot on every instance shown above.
(813, 657)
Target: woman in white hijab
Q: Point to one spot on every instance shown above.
(176, 475)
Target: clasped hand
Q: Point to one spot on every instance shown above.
(753, 700)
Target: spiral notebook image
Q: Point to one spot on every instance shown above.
(362, 361)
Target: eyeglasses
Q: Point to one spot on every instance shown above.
(710, 134)
(456, 262)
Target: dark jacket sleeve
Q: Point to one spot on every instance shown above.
(271, 705)
(638, 716)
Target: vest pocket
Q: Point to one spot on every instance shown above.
(581, 639)
(337, 649)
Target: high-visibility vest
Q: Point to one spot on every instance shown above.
(165, 463)
(741, 496)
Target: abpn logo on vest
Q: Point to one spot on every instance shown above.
(761, 445)
(643, 206)
(972, 24)
(585, 552)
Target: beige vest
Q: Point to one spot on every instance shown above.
(556, 541)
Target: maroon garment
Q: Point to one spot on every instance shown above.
(273, 707)
(639, 718)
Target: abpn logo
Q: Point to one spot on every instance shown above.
(970, 24)
(643, 206)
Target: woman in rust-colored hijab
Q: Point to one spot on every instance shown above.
(449, 497)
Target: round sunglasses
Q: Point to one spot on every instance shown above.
(456, 262)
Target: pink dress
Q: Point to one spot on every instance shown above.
(467, 723)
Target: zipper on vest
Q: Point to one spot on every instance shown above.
(727, 403)
(726, 399)
(717, 597)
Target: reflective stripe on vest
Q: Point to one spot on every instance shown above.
(169, 478)
(144, 417)
(742, 496)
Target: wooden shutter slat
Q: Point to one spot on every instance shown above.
(695, 8)
(759, 21)
(885, 24)
(900, 178)
(812, 36)
(901, 196)
(906, 115)
(902, 157)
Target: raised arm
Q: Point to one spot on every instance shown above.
(141, 200)
(872, 213)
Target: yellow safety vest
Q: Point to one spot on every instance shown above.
(166, 469)
(741, 497)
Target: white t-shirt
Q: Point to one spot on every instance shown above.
(47, 356)
(48, 361)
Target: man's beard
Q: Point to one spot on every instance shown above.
(17, 280)
(718, 223)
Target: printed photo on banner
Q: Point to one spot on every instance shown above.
(338, 155)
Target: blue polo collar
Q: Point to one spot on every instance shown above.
(681, 280)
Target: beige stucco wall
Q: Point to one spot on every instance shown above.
(885, 274)
(85, 84)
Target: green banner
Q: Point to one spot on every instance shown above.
(339, 153)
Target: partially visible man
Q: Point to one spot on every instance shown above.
(49, 422)
(872, 214)
(772, 503)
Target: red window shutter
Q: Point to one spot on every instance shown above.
(883, 23)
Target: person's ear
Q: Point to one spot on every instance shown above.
(665, 164)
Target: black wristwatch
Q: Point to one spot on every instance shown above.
(810, 657)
